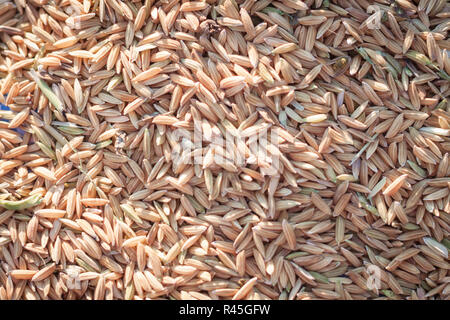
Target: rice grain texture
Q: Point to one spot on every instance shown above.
(229, 149)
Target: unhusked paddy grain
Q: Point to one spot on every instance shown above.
(224, 149)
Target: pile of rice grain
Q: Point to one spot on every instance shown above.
(94, 205)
